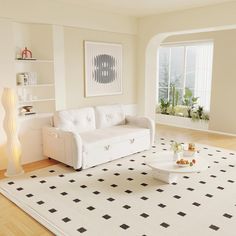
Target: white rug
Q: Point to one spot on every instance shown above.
(122, 198)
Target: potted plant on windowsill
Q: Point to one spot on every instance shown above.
(189, 101)
(199, 114)
(164, 107)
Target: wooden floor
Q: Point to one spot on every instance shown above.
(223, 141)
(15, 222)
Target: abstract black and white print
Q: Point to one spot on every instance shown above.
(103, 68)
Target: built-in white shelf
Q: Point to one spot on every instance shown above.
(34, 61)
(37, 100)
(37, 115)
(40, 92)
(35, 85)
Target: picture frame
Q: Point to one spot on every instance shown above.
(103, 68)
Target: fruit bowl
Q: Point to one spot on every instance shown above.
(185, 163)
(182, 165)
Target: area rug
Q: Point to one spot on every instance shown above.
(122, 197)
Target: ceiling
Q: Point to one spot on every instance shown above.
(141, 8)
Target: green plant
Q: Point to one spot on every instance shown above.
(205, 117)
(175, 98)
(189, 101)
(164, 106)
(199, 114)
(194, 116)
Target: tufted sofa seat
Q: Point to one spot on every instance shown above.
(86, 137)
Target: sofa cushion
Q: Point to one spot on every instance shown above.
(79, 120)
(111, 115)
(107, 136)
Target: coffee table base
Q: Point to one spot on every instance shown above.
(165, 177)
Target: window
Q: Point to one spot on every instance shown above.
(186, 66)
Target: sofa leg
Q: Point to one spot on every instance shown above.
(78, 169)
(49, 158)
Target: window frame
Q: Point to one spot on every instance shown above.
(184, 44)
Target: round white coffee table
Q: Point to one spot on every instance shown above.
(165, 169)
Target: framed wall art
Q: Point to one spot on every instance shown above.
(103, 68)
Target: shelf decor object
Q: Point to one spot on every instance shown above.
(10, 126)
(103, 69)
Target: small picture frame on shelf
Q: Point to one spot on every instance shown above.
(26, 78)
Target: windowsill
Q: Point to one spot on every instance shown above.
(183, 122)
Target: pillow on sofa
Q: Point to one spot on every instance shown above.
(79, 120)
(110, 115)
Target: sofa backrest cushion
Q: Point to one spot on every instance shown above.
(78, 120)
(111, 115)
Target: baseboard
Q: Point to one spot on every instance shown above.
(221, 133)
(202, 130)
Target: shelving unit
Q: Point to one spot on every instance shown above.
(40, 94)
(37, 100)
(35, 85)
(33, 61)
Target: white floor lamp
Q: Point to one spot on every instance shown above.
(10, 126)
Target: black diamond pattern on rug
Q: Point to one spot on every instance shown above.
(110, 199)
(181, 213)
(106, 217)
(126, 206)
(91, 208)
(40, 202)
(76, 200)
(124, 226)
(162, 205)
(144, 215)
(82, 230)
(165, 225)
(52, 210)
(66, 219)
(214, 227)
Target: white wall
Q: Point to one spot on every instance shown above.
(74, 66)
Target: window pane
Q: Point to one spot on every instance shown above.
(164, 55)
(177, 66)
(163, 94)
(190, 66)
(197, 66)
(180, 96)
(204, 58)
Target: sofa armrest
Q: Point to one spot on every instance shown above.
(143, 122)
(64, 146)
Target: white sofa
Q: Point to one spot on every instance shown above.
(86, 137)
